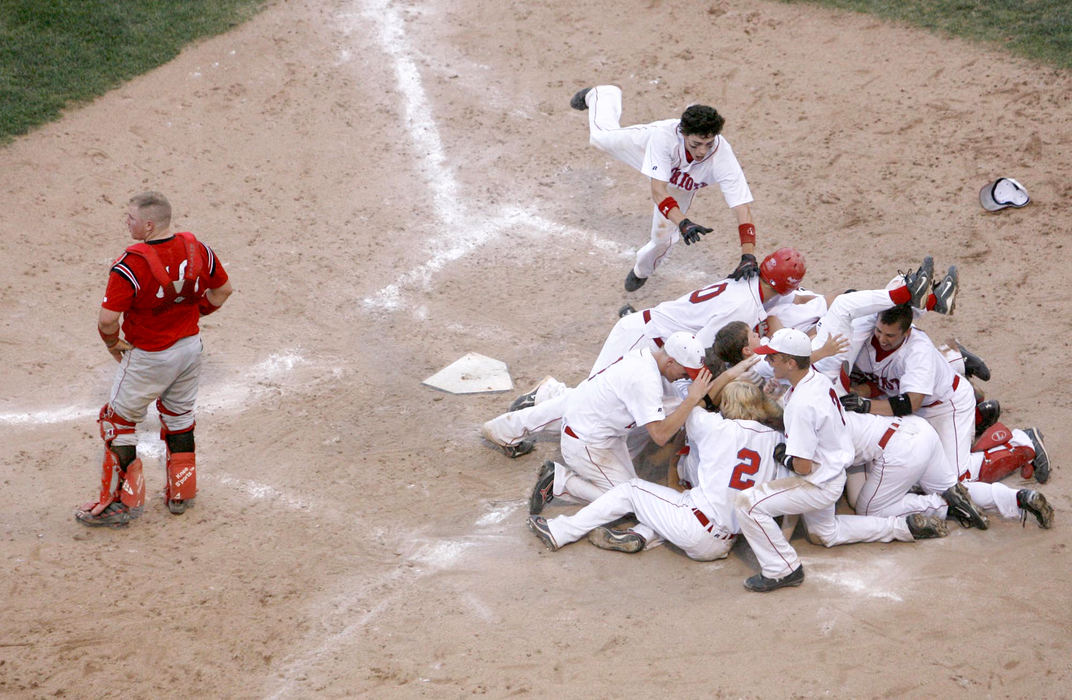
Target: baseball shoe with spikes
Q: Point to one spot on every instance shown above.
(1034, 503)
(626, 310)
(973, 364)
(761, 584)
(945, 292)
(632, 282)
(962, 508)
(528, 399)
(618, 540)
(1042, 458)
(543, 492)
(919, 283)
(925, 527)
(578, 100)
(538, 524)
(117, 514)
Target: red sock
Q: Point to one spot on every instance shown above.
(901, 295)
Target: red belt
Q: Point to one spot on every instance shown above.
(569, 431)
(886, 437)
(647, 319)
(709, 526)
(956, 383)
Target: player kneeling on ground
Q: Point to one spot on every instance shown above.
(734, 451)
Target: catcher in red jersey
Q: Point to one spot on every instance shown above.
(159, 287)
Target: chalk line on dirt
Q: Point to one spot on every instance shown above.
(460, 230)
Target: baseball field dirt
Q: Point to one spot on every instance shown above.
(393, 185)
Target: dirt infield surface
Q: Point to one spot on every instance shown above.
(392, 185)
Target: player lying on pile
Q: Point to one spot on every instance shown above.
(700, 313)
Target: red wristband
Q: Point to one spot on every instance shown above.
(110, 339)
(666, 205)
(747, 233)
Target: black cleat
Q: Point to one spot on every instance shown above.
(618, 540)
(578, 102)
(1042, 458)
(543, 492)
(973, 364)
(633, 283)
(538, 525)
(178, 507)
(761, 584)
(925, 527)
(1034, 503)
(945, 292)
(962, 508)
(919, 283)
(626, 310)
(520, 449)
(989, 412)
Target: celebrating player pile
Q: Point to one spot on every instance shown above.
(867, 406)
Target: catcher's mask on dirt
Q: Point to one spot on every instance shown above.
(783, 269)
(1001, 193)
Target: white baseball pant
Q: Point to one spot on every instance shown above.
(670, 513)
(954, 421)
(910, 456)
(838, 320)
(794, 495)
(625, 144)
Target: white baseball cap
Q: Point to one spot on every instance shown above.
(788, 341)
(684, 349)
(1001, 193)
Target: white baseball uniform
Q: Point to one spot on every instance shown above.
(897, 454)
(599, 413)
(815, 430)
(948, 399)
(729, 456)
(658, 151)
(701, 312)
(852, 316)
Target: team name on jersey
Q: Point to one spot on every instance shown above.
(684, 181)
(889, 385)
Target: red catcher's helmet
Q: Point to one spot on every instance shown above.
(783, 269)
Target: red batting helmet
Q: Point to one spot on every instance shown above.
(783, 269)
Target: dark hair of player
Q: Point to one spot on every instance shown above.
(900, 315)
(701, 120)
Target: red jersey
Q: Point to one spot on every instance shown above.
(156, 315)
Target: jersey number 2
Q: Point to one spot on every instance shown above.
(749, 465)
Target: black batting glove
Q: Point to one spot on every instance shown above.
(856, 403)
(747, 269)
(781, 458)
(691, 232)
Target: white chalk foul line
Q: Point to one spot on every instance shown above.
(220, 397)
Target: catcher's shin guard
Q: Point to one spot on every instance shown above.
(998, 463)
(181, 464)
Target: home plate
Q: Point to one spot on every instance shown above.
(472, 374)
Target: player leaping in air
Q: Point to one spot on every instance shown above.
(680, 156)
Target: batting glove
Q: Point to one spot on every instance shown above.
(857, 403)
(747, 269)
(691, 232)
(781, 458)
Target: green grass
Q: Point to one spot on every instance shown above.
(57, 53)
(1036, 29)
